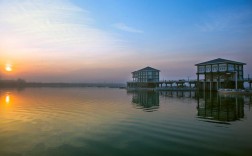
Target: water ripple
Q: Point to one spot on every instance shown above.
(92, 121)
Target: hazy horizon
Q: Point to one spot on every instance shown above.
(105, 40)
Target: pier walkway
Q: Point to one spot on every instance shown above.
(163, 84)
(172, 84)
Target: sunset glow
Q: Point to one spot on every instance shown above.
(80, 41)
(8, 67)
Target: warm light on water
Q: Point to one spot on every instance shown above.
(103, 121)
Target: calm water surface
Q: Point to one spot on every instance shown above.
(105, 121)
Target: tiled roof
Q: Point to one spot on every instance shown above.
(147, 68)
(219, 61)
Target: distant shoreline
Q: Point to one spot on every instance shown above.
(23, 84)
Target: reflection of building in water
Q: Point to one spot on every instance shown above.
(146, 100)
(187, 94)
(220, 108)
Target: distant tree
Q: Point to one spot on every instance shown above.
(21, 80)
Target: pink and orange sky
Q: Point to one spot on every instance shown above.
(105, 40)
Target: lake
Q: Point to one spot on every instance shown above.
(110, 121)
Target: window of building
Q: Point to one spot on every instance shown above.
(240, 67)
(208, 68)
(201, 69)
(214, 68)
(230, 67)
(222, 67)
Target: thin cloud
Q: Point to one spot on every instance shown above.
(226, 20)
(56, 26)
(124, 27)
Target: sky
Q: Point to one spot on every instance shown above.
(105, 40)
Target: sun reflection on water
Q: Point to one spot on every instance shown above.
(5, 99)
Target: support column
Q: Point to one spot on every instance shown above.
(218, 82)
(210, 86)
(204, 85)
(198, 82)
(236, 79)
(218, 77)
(211, 80)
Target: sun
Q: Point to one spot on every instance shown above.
(8, 67)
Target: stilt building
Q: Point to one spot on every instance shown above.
(147, 77)
(220, 73)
